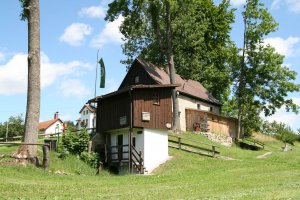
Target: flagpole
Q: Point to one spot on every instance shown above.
(96, 74)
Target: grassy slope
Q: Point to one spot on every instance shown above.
(185, 176)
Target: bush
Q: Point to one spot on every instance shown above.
(76, 143)
(62, 152)
(91, 159)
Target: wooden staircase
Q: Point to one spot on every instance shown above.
(119, 155)
(137, 161)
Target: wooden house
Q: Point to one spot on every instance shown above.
(132, 126)
(132, 122)
(191, 94)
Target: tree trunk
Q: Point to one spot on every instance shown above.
(33, 91)
(241, 87)
(172, 71)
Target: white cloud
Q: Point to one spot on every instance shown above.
(288, 118)
(75, 34)
(13, 74)
(92, 12)
(284, 46)
(110, 34)
(74, 87)
(292, 5)
(237, 3)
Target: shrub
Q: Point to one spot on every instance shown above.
(76, 143)
(62, 152)
(91, 159)
(285, 133)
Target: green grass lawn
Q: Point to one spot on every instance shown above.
(185, 176)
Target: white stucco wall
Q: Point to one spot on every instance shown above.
(155, 148)
(187, 102)
(152, 142)
(90, 117)
(52, 129)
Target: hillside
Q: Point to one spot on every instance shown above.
(185, 176)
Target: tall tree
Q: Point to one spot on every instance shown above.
(155, 17)
(200, 37)
(32, 15)
(190, 37)
(262, 82)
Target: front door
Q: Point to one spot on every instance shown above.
(120, 147)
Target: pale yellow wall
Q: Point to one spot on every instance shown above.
(189, 103)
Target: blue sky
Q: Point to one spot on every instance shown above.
(72, 33)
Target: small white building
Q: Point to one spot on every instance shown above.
(87, 118)
(52, 126)
(152, 144)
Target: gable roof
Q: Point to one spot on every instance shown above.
(89, 107)
(187, 86)
(46, 124)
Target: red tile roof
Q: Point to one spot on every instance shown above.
(46, 124)
(187, 86)
(89, 107)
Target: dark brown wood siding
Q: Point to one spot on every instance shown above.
(110, 110)
(136, 70)
(159, 114)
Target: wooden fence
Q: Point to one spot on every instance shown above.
(215, 123)
(192, 146)
(45, 147)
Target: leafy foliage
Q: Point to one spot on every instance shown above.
(70, 126)
(262, 82)
(200, 37)
(25, 12)
(91, 159)
(280, 130)
(15, 126)
(76, 143)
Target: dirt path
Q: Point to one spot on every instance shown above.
(264, 155)
(226, 158)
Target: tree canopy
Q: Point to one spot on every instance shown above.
(200, 37)
(262, 82)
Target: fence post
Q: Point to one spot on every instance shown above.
(214, 151)
(46, 157)
(105, 152)
(90, 147)
(179, 143)
(100, 167)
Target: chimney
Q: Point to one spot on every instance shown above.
(56, 115)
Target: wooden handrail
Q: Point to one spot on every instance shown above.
(138, 156)
(24, 143)
(253, 140)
